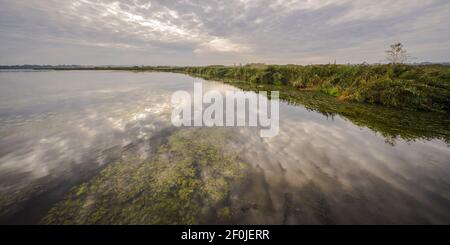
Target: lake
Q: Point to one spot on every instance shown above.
(81, 147)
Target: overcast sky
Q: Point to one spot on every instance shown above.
(190, 32)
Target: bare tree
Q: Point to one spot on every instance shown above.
(397, 54)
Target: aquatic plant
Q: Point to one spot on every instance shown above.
(184, 183)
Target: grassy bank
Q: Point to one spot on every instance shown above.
(392, 124)
(423, 88)
(407, 87)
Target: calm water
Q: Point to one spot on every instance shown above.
(59, 129)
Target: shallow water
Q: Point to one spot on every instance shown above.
(60, 129)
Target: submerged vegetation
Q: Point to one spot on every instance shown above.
(186, 182)
(195, 176)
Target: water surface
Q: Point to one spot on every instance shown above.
(61, 129)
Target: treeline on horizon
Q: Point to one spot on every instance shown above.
(410, 87)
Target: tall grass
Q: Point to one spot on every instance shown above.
(425, 88)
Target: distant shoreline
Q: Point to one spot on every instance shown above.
(113, 67)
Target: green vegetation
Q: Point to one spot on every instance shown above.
(391, 123)
(425, 88)
(373, 96)
(407, 87)
(186, 182)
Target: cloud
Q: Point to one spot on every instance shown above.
(367, 10)
(221, 45)
(211, 31)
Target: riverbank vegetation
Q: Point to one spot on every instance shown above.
(397, 100)
(424, 88)
(373, 96)
(392, 124)
(406, 87)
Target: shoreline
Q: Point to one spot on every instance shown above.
(405, 87)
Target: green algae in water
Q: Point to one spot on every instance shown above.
(186, 182)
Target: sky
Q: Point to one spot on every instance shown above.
(206, 32)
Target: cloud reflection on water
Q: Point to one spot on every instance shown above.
(317, 170)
